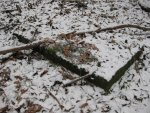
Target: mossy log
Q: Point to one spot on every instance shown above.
(123, 69)
(51, 55)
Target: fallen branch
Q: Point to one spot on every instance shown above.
(77, 79)
(114, 28)
(2, 28)
(99, 81)
(25, 46)
(9, 10)
(51, 55)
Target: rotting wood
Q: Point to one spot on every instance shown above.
(51, 55)
(123, 69)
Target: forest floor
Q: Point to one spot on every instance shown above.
(29, 83)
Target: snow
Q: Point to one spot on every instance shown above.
(21, 77)
(145, 3)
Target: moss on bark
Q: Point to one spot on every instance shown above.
(123, 69)
(51, 55)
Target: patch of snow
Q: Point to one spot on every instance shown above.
(145, 3)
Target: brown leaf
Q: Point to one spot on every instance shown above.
(33, 108)
(19, 98)
(19, 78)
(17, 82)
(23, 91)
(84, 105)
(43, 73)
(81, 111)
(5, 74)
(66, 51)
(69, 36)
(4, 109)
(84, 57)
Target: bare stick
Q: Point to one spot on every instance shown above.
(29, 46)
(114, 28)
(78, 79)
(25, 46)
(54, 97)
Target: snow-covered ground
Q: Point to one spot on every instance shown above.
(26, 79)
(145, 4)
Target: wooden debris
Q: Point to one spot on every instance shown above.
(77, 79)
(25, 46)
(50, 54)
(54, 97)
(114, 28)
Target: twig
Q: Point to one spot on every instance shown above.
(2, 28)
(8, 10)
(114, 28)
(25, 46)
(78, 79)
(54, 97)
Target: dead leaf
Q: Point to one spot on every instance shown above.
(5, 75)
(23, 91)
(43, 73)
(33, 108)
(91, 46)
(4, 109)
(106, 108)
(81, 111)
(19, 98)
(19, 78)
(69, 36)
(84, 57)
(68, 110)
(17, 82)
(84, 105)
(66, 51)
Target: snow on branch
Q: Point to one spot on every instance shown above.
(77, 79)
(36, 43)
(115, 28)
(25, 46)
